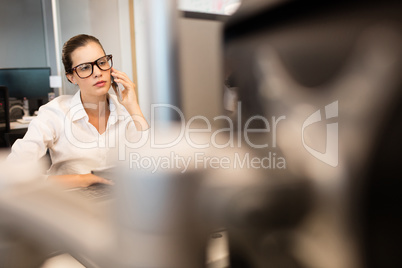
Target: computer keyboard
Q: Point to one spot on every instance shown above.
(97, 191)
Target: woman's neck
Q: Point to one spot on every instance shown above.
(95, 106)
(98, 112)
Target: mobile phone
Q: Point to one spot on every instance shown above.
(116, 88)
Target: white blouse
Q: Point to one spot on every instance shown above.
(74, 144)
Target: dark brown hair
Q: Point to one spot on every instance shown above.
(72, 44)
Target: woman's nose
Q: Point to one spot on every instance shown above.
(97, 72)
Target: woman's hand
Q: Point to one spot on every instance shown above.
(78, 180)
(129, 99)
(129, 96)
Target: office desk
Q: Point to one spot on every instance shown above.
(18, 125)
(217, 255)
(217, 251)
(62, 261)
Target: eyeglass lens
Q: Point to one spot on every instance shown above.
(86, 69)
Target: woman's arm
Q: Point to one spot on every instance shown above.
(40, 136)
(78, 180)
(129, 100)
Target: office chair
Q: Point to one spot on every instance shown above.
(5, 117)
(13, 136)
(8, 136)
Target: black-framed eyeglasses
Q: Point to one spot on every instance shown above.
(86, 69)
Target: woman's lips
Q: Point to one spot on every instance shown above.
(100, 84)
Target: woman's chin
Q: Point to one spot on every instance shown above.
(101, 91)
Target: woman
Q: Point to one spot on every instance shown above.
(82, 132)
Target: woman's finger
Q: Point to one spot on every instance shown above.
(98, 179)
(120, 75)
(123, 79)
(128, 94)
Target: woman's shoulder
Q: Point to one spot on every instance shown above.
(59, 104)
(61, 100)
(55, 110)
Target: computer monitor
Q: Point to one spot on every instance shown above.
(32, 83)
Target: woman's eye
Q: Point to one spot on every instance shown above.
(102, 62)
(84, 68)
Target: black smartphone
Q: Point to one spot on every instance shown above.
(116, 88)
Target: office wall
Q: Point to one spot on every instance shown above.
(200, 59)
(26, 34)
(144, 97)
(201, 67)
(22, 35)
(49, 36)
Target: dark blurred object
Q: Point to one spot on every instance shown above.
(36, 103)
(261, 221)
(292, 58)
(16, 109)
(8, 136)
(4, 115)
(14, 135)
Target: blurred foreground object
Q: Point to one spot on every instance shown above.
(332, 71)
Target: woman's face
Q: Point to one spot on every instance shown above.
(98, 83)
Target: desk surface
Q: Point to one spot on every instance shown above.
(217, 255)
(18, 125)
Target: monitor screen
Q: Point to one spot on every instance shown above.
(26, 82)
